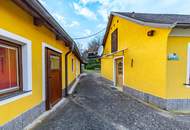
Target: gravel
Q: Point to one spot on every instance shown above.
(96, 106)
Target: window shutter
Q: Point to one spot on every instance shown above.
(114, 41)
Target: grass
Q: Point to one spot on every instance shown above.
(91, 71)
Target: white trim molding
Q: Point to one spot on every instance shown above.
(180, 32)
(5, 35)
(26, 56)
(14, 98)
(188, 66)
(114, 70)
(44, 46)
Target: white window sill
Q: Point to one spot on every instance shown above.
(14, 98)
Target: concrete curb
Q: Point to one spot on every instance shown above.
(168, 114)
(63, 101)
(76, 82)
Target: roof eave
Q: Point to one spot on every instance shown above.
(182, 25)
(35, 8)
(78, 54)
(107, 29)
(157, 25)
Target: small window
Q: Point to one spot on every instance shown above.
(55, 62)
(114, 41)
(10, 67)
(72, 65)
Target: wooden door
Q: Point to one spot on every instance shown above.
(119, 72)
(53, 78)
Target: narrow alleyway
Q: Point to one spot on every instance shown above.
(95, 106)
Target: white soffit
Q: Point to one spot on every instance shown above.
(180, 32)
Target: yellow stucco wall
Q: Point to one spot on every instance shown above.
(77, 67)
(76, 71)
(15, 20)
(177, 70)
(148, 73)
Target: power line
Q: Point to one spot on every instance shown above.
(92, 35)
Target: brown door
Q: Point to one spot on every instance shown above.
(119, 72)
(53, 78)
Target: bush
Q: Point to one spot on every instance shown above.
(92, 65)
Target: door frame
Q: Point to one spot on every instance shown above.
(188, 65)
(44, 84)
(114, 69)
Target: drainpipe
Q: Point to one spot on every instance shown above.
(80, 67)
(66, 70)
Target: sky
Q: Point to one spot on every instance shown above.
(81, 18)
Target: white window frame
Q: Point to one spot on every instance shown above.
(188, 66)
(26, 62)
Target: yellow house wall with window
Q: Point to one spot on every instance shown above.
(17, 21)
(177, 70)
(72, 74)
(133, 37)
(153, 77)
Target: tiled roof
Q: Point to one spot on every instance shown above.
(158, 18)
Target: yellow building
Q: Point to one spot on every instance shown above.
(148, 56)
(38, 61)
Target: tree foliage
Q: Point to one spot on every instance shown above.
(95, 44)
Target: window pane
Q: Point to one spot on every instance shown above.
(114, 41)
(55, 62)
(4, 73)
(13, 68)
(8, 67)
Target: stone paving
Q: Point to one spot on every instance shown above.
(96, 106)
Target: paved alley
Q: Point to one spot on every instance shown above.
(96, 106)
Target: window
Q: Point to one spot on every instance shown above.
(72, 65)
(19, 52)
(10, 67)
(114, 41)
(55, 62)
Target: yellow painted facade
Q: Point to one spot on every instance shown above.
(76, 70)
(151, 73)
(177, 70)
(17, 21)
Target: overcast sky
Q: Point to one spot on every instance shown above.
(85, 17)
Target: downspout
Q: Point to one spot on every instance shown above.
(66, 70)
(80, 68)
